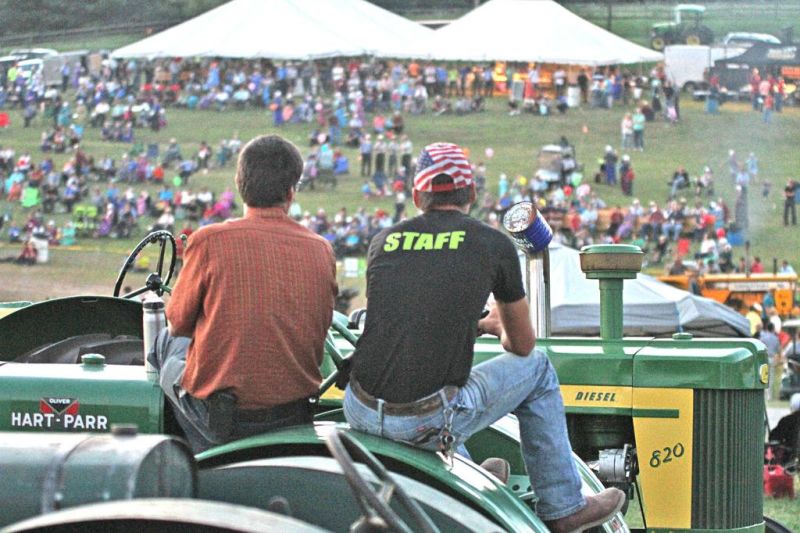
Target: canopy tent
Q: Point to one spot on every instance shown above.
(534, 30)
(734, 72)
(651, 308)
(288, 29)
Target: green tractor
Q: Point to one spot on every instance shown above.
(88, 442)
(687, 28)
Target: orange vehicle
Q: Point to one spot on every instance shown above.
(740, 291)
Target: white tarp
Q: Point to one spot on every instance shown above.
(534, 30)
(651, 308)
(289, 29)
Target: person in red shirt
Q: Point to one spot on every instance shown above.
(250, 311)
(757, 267)
(755, 81)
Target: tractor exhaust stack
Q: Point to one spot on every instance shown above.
(611, 263)
(532, 235)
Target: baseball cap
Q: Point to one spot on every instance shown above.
(442, 158)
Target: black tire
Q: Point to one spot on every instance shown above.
(689, 87)
(773, 526)
(692, 38)
(658, 43)
(706, 35)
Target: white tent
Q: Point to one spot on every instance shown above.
(651, 308)
(534, 30)
(289, 29)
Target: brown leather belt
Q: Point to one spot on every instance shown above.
(425, 405)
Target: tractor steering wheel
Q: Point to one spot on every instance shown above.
(375, 504)
(155, 280)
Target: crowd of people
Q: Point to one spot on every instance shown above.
(105, 198)
(120, 96)
(359, 105)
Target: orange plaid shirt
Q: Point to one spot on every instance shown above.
(256, 295)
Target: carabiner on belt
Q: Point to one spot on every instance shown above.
(446, 439)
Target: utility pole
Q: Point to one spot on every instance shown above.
(608, 14)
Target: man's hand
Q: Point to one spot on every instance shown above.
(512, 323)
(491, 323)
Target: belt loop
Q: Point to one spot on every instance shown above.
(380, 417)
(443, 397)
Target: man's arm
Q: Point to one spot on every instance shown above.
(512, 323)
(187, 295)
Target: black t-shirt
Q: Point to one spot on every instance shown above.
(428, 279)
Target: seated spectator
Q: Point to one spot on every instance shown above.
(680, 180)
(203, 157)
(166, 221)
(441, 106)
(68, 234)
(220, 99)
(366, 191)
(100, 114)
(462, 106)
(186, 169)
(235, 144)
(172, 154)
(224, 153)
(651, 228)
(675, 217)
(27, 255)
(46, 143)
(241, 97)
(14, 232)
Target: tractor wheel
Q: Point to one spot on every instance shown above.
(692, 38)
(658, 43)
(773, 526)
(161, 514)
(706, 35)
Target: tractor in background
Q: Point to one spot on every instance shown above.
(686, 28)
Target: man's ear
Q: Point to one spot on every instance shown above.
(473, 194)
(415, 197)
(290, 194)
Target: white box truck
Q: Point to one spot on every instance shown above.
(686, 65)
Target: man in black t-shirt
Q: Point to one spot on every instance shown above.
(428, 280)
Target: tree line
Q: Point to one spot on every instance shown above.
(30, 16)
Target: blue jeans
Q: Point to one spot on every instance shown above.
(525, 386)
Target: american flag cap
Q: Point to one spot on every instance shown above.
(442, 158)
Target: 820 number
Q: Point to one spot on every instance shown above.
(666, 455)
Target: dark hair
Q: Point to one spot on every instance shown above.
(269, 166)
(458, 197)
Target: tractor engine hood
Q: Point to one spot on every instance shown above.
(90, 396)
